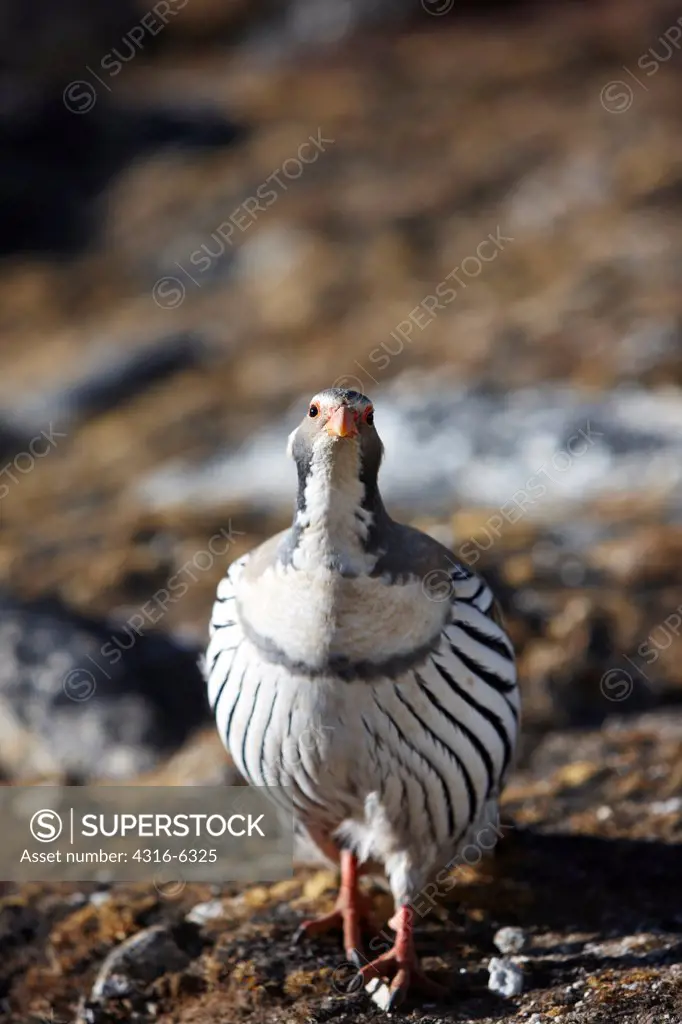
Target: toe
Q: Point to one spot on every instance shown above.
(381, 967)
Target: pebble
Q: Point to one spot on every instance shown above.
(99, 898)
(506, 979)
(378, 992)
(510, 940)
(671, 806)
(203, 912)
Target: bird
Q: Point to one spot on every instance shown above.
(370, 639)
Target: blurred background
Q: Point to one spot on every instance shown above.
(212, 209)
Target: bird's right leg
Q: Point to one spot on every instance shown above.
(399, 962)
(352, 909)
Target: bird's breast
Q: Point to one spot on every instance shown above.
(312, 617)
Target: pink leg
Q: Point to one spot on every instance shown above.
(401, 962)
(352, 908)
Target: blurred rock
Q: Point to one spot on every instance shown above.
(84, 699)
(112, 380)
(506, 978)
(509, 940)
(138, 961)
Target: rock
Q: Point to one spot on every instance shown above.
(203, 912)
(510, 940)
(116, 379)
(136, 962)
(85, 698)
(506, 978)
(379, 992)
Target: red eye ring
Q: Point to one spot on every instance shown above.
(368, 416)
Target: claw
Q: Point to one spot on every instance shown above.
(355, 983)
(355, 957)
(395, 999)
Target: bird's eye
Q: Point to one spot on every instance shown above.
(313, 410)
(369, 416)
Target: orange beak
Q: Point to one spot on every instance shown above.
(341, 423)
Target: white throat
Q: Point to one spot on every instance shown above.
(333, 525)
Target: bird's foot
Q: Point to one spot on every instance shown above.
(401, 965)
(353, 909)
(349, 914)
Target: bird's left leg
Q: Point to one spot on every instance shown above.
(401, 962)
(351, 910)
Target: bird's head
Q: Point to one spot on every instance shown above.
(338, 422)
(339, 512)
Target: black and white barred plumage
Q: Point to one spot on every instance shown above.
(389, 716)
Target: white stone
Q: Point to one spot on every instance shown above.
(506, 979)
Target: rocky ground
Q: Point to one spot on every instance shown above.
(585, 874)
(137, 364)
